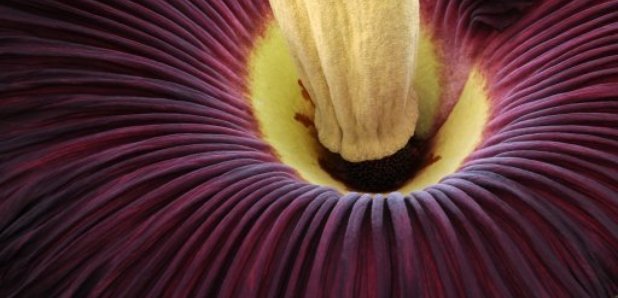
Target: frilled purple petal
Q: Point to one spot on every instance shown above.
(497, 14)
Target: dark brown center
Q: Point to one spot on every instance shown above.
(382, 175)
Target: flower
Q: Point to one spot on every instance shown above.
(131, 162)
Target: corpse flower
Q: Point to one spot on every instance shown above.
(309, 148)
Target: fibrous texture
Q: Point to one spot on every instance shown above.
(130, 162)
(356, 59)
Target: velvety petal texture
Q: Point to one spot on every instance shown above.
(131, 164)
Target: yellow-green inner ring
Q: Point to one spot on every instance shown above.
(277, 101)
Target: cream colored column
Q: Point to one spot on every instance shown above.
(356, 58)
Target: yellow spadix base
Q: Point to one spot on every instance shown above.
(280, 107)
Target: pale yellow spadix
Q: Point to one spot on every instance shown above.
(356, 58)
